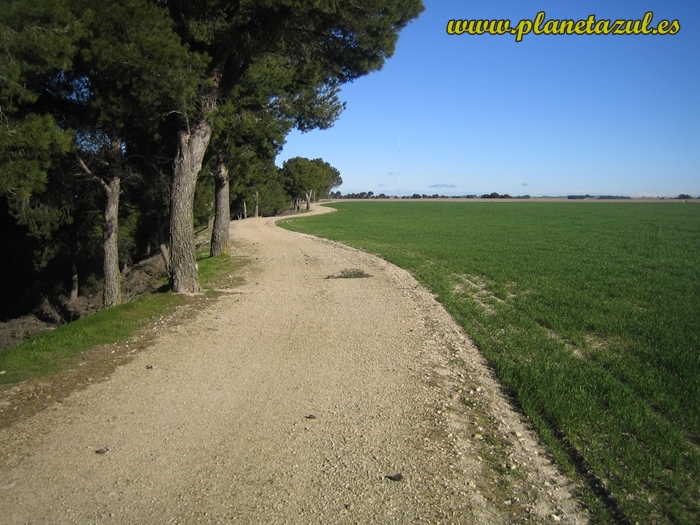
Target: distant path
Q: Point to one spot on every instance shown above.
(217, 431)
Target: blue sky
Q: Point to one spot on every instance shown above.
(550, 115)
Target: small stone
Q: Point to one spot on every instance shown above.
(102, 450)
(395, 477)
(556, 518)
(310, 416)
(150, 367)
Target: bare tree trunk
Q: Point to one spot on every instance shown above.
(245, 210)
(192, 145)
(112, 290)
(162, 244)
(222, 212)
(110, 264)
(257, 198)
(308, 199)
(74, 277)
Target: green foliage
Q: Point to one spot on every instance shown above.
(292, 55)
(587, 312)
(203, 200)
(134, 68)
(37, 38)
(249, 138)
(302, 175)
(28, 149)
(331, 178)
(266, 180)
(91, 92)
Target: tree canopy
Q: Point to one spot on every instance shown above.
(110, 112)
(304, 177)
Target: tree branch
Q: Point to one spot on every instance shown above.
(90, 174)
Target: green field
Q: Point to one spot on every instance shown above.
(589, 314)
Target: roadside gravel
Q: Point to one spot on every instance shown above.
(292, 399)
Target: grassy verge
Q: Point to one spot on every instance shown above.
(588, 313)
(51, 352)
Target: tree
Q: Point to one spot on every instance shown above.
(253, 123)
(130, 71)
(319, 46)
(93, 79)
(248, 131)
(37, 38)
(330, 180)
(304, 177)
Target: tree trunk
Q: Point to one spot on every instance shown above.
(74, 277)
(162, 245)
(222, 212)
(110, 264)
(112, 289)
(245, 210)
(257, 198)
(308, 199)
(192, 144)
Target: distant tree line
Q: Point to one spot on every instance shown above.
(493, 195)
(575, 197)
(682, 196)
(371, 195)
(125, 123)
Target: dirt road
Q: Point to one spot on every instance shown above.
(293, 399)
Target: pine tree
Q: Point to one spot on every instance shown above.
(317, 46)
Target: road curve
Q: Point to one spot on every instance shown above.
(292, 399)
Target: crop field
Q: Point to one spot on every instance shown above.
(590, 316)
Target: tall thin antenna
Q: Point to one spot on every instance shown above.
(398, 187)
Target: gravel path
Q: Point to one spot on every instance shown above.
(293, 399)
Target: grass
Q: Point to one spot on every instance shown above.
(218, 272)
(57, 350)
(588, 313)
(50, 352)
